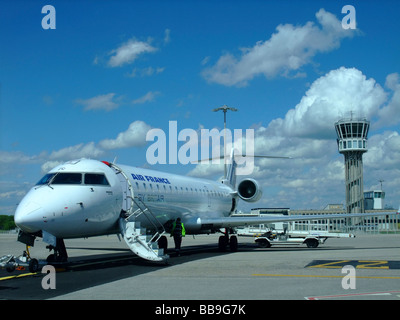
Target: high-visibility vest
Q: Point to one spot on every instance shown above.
(178, 229)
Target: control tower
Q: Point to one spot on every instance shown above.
(352, 143)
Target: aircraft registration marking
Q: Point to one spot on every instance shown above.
(359, 264)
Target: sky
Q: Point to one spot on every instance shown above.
(91, 78)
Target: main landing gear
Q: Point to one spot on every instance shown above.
(60, 252)
(224, 241)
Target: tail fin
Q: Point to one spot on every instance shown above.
(249, 163)
(231, 165)
(231, 171)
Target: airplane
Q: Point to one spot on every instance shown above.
(86, 198)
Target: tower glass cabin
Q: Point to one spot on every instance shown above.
(352, 143)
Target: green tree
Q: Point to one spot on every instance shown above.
(7, 222)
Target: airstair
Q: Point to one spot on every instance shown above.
(142, 241)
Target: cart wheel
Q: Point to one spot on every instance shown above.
(33, 265)
(10, 269)
(312, 243)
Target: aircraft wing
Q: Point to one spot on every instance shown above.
(228, 222)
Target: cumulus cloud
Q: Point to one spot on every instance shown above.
(330, 97)
(128, 52)
(135, 136)
(389, 114)
(101, 102)
(290, 48)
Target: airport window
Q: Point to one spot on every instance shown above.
(96, 179)
(67, 178)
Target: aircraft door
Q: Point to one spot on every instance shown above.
(208, 196)
(126, 188)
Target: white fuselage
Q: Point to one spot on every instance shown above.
(84, 198)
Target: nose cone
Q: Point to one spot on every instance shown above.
(28, 216)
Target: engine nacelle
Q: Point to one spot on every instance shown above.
(249, 190)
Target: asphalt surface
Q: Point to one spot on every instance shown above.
(103, 268)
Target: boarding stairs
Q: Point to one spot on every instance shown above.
(142, 241)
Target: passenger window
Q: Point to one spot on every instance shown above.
(96, 179)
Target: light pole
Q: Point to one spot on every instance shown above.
(224, 108)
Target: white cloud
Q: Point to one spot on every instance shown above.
(82, 150)
(390, 114)
(329, 98)
(148, 97)
(135, 136)
(101, 102)
(145, 72)
(128, 52)
(167, 36)
(48, 165)
(383, 152)
(286, 51)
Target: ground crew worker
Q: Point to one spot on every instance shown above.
(178, 231)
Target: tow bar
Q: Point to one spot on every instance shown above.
(12, 263)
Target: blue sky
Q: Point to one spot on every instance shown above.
(112, 70)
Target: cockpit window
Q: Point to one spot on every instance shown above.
(96, 179)
(46, 179)
(67, 178)
(74, 178)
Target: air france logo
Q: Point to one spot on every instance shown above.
(150, 179)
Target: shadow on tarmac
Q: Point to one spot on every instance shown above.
(87, 271)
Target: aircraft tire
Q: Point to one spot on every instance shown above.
(233, 243)
(222, 243)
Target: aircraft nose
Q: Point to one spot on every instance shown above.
(28, 216)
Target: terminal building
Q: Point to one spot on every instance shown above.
(369, 224)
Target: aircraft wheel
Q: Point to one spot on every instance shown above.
(233, 243)
(222, 243)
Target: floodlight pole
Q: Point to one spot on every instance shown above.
(224, 108)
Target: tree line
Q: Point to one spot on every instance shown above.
(7, 222)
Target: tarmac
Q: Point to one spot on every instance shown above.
(103, 268)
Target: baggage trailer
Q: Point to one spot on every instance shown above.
(266, 237)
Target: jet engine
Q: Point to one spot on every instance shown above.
(249, 190)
